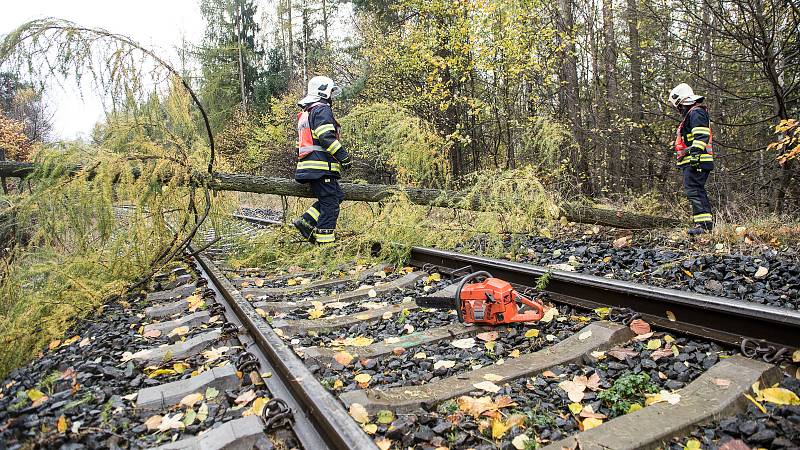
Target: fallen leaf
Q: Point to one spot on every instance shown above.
(190, 400)
(383, 443)
(245, 398)
(214, 353)
(520, 441)
(639, 326)
(692, 444)
(549, 315)
(643, 337)
(663, 396)
(549, 374)
(487, 386)
(671, 316)
(602, 312)
(54, 344)
(61, 424)
(171, 422)
(257, 407)
(493, 377)
(202, 413)
(211, 393)
(490, 345)
(153, 422)
(778, 396)
(761, 272)
(634, 407)
(189, 417)
(488, 336)
(152, 333)
(532, 333)
(384, 416)
(392, 340)
(420, 355)
(130, 397)
(734, 444)
(159, 372)
(573, 389)
(653, 344)
(575, 407)
(360, 341)
(180, 367)
(598, 355)
(338, 384)
(463, 343)
(407, 329)
(443, 363)
(514, 353)
(585, 335)
(658, 354)
(37, 397)
(590, 423)
(758, 405)
(499, 428)
(179, 331)
(343, 358)
(372, 293)
(359, 413)
(362, 378)
(370, 428)
(621, 242)
(721, 382)
(387, 315)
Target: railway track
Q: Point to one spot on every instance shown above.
(349, 361)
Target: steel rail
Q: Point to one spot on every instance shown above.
(256, 220)
(719, 319)
(333, 428)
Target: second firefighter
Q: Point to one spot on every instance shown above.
(320, 160)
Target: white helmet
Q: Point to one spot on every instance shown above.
(320, 87)
(683, 94)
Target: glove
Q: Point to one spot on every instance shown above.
(694, 161)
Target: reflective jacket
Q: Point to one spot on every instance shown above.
(694, 138)
(319, 152)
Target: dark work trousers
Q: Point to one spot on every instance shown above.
(694, 184)
(326, 208)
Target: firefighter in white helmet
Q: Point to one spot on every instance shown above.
(320, 160)
(694, 153)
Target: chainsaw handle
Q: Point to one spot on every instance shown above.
(532, 304)
(461, 285)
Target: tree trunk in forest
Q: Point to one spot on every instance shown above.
(376, 192)
(290, 33)
(571, 101)
(325, 21)
(637, 113)
(612, 146)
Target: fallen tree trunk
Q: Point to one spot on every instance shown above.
(377, 192)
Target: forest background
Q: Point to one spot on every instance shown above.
(438, 90)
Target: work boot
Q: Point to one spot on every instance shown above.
(696, 231)
(304, 228)
(324, 236)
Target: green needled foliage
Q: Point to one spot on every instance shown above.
(74, 240)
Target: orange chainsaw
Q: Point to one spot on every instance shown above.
(485, 300)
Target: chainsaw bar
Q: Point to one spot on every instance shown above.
(436, 302)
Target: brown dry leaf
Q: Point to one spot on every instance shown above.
(465, 343)
(179, 331)
(721, 382)
(84, 342)
(383, 443)
(621, 353)
(359, 413)
(671, 316)
(488, 336)
(259, 282)
(639, 326)
(343, 358)
(152, 333)
(172, 422)
(245, 398)
(658, 354)
(588, 412)
(190, 400)
(54, 344)
(574, 389)
(153, 422)
(734, 444)
(621, 242)
(487, 386)
(549, 374)
(593, 382)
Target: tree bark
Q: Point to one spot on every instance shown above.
(377, 192)
(637, 113)
(612, 146)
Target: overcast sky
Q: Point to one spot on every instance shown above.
(159, 24)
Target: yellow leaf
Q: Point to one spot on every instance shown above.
(654, 344)
(261, 312)
(180, 331)
(258, 406)
(159, 372)
(634, 407)
(61, 424)
(602, 312)
(54, 344)
(796, 356)
(692, 444)
(291, 282)
(383, 443)
(688, 274)
(759, 405)
(499, 428)
(360, 341)
(575, 408)
(259, 282)
(370, 428)
(315, 313)
(671, 316)
(363, 378)
(532, 333)
(180, 367)
(338, 384)
(591, 422)
(779, 396)
(514, 353)
(35, 394)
